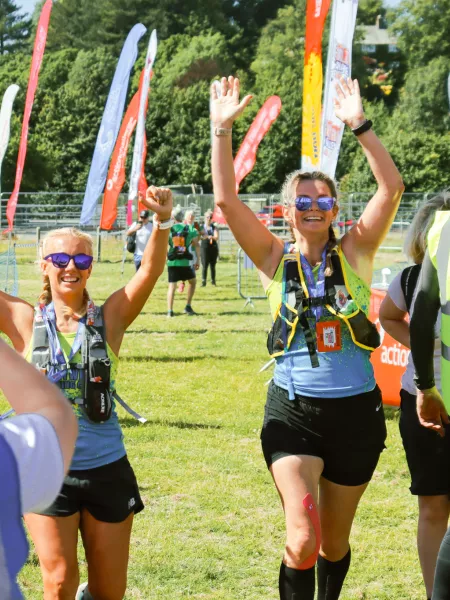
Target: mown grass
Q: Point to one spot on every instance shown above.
(213, 526)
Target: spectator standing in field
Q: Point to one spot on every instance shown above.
(324, 426)
(427, 454)
(432, 408)
(36, 449)
(209, 248)
(143, 229)
(76, 345)
(181, 237)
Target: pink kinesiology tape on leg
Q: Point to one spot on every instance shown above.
(313, 514)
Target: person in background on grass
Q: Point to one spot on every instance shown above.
(143, 229)
(209, 248)
(36, 449)
(76, 344)
(324, 426)
(189, 219)
(433, 294)
(427, 454)
(182, 236)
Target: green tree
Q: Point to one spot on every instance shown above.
(368, 11)
(14, 27)
(423, 29)
(424, 99)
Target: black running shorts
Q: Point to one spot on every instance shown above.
(180, 274)
(347, 433)
(427, 454)
(109, 493)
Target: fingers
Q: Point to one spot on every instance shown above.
(223, 86)
(214, 95)
(339, 91)
(356, 87)
(245, 101)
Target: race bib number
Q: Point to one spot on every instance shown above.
(328, 336)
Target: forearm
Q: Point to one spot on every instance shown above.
(381, 164)
(28, 391)
(155, 253)
(223, 175)
(422, 326)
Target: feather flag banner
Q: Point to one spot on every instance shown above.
(316, 13)
(109, 127)
(339, 62)
(36, 62)
(138, 152)
(5, 119)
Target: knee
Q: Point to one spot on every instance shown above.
(334, 549)
(60, 582)
(433, 513)
(300, 546)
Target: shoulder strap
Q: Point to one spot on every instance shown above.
(40, 356)
(408, 282)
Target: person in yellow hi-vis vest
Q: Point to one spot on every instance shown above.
(432, 409)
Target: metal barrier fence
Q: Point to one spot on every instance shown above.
(248, 281)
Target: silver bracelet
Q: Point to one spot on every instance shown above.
(164, 224)
(222, 131)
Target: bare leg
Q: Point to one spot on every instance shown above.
(170, 295)
(192, 283)
(107, 550)
(55, 539)
(338, 504)
(432, 525)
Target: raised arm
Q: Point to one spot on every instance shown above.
(28, 391)
(16, 321)
(124, 305)
(255, 239)
(365, 237)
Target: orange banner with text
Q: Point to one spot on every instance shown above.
(316, 13)
(390, 359)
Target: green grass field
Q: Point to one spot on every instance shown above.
(213, 526)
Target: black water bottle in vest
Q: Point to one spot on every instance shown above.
(97, 395)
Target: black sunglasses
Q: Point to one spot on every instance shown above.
(303, 203)
(61, 260)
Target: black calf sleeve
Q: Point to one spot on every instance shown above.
(295, 584)
(441, 586)
(331, 575)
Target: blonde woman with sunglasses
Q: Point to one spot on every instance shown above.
(62, 336)
(324, 426)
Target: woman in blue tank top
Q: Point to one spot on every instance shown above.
(100, 495)
(324, 427)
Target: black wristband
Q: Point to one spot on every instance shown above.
(424, 386)
(363, 128)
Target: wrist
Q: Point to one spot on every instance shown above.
(223, 124)
(356, 121)
(424, 385)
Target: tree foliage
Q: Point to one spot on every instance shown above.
(259, 40)
(14, 27)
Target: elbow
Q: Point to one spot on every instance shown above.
(395, 187)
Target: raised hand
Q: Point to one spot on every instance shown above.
(348, 105)
(225, 105)
(160, 201)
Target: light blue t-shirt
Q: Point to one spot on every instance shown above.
(97, 444)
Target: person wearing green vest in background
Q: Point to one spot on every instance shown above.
(432, 409)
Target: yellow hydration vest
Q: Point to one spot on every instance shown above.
(439, 251)
(296, 301)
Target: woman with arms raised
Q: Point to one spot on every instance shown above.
(324, 426)
(76, 344)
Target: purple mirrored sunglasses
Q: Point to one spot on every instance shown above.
(303, 203)
(61, 260)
